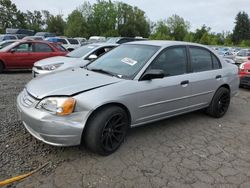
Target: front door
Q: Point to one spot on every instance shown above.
(20, 56)
(161, 98)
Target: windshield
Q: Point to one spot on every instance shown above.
(8, 47)
(124, 61)
(4, 44)
(82, 51)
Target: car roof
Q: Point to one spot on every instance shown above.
(102, 44)
(163, 43)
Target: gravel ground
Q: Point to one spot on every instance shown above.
(192, 150)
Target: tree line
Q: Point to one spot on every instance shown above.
(108, 18)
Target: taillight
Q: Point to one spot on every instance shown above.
(248, 58)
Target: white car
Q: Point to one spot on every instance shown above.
(76, 58)
(243, 56)
(95, 39)
(69, 43)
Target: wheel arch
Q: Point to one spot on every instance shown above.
(225, 86)
(2, 62)
(105, 106)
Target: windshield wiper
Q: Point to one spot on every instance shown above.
(104, 72)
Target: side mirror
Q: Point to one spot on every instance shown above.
(92, 57)
(153, 74)
(12, 50)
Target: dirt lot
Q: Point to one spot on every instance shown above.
(192, 150)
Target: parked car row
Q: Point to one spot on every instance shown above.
(87, 52)
(131, 85)
(236, 54)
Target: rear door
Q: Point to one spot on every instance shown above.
(206, 76)
(41, 51)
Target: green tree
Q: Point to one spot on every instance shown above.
(178, 27)
(55, 24)
(205, 39)
(189, 37)
(8, 14)
(76, 25)
(199, 33)
(242, 28)
(35, 20)
(161, 31)
(131, 21)
(103, 19)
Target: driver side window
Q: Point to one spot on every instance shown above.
(172, 61)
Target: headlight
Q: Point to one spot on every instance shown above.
(242, 66)
(58, 105)
(52, 67)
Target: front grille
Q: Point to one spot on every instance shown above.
(247, 78)
(26, 99)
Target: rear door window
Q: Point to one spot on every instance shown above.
(41, 47)
(201, 59)
(216, 62)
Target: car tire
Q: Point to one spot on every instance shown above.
(220, 103)
(1, 67)
(106, 130)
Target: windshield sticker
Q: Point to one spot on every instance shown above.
(129, 61)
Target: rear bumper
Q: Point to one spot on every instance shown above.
(245, 81)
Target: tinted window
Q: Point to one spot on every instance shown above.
(40, 47)
(63, 41)
(172, 61)
(73, 41)
(25, 47)
(201, 59)
(216, 62)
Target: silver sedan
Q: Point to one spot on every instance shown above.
(134, 84)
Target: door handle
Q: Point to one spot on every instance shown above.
(218, 77)
(185, 82)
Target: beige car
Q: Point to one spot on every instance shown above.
(243, 56)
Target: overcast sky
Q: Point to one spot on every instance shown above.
(217, 14)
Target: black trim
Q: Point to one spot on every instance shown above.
(211, 55)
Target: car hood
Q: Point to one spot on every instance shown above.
(54, 60)
(68, 83)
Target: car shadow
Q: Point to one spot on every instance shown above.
(17, 71)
